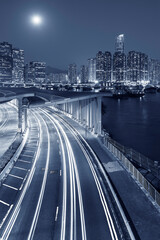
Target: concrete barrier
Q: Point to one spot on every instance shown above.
(12, 161)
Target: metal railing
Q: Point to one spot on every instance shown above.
(134, 156)
(137, 175)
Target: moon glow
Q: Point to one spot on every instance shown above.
(36, 20)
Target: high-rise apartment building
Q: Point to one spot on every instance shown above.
(119, 67)
(84, 74)
(58, 78)
(72, 73)
(154, 71)
(100, 67)
(35, 72)
(137, 67)
(92, 70)
(144, 67)
(107, 67)
(133, 66)
(18, 66)
(6, 62)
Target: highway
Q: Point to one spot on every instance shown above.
(55, 189)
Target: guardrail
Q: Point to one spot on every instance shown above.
(138, 158)
(135, 173)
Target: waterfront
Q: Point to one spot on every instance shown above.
(135, 122)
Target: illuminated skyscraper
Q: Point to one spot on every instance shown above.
(84, 74)
(100, 67)
(119, 60)
(137, 67)
(18, 66)
(72, 73)
(35, 72)
(119, 67)
(107, 67)
(92, 69)
(154, 71)
(133, 66)
(119, 46)
(5, 62)
(144, 67)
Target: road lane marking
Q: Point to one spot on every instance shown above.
(24, 169)
(24, 161)
(15, 176)
(25, 155)
(28, 151)
(4, 203)
(23, 182)
(6, 185)
(5, 217)
(56, 217)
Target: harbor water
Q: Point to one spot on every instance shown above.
(135, 123)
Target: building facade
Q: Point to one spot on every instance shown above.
(119, 60)
(6, 62)
(35, 72)
(154, 71)
(119, 67)
(72, 73)
(137, 67)
(119, 44)
(100, 67)
(18, 66)
(57, 78)
(133, 66)
(92, 70)
(144, 68)
(107, 67)
(84, 74)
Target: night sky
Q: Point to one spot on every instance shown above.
(74, 30)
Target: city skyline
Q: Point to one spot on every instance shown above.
(68, 36)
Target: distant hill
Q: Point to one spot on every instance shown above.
(50, 69)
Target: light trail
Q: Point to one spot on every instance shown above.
(40, 199)
(74, 181)
(84, 145)
(16, 210)
(98, 185)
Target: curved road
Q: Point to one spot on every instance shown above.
(55, 190)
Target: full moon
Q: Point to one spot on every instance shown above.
(36, 20)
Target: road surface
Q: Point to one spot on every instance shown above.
(55, 189)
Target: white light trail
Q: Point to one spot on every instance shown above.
(98, 185)
(74, 179)
(40, 199)
(17, 208)
(79, 139)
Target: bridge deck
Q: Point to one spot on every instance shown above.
(7, 94)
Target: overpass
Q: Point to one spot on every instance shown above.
(81, 106)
